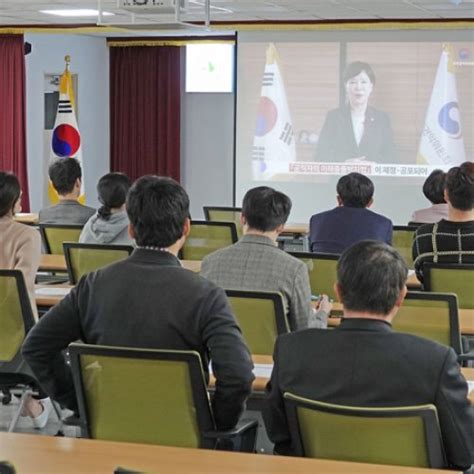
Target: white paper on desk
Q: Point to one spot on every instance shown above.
(470, 385)
(53, 291)
(411, 272)
(263, 370)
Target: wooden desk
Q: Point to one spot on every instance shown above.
(56, 455)
(193, 265)
(298, 229)
(413, 283)
(27, 218)
(57, 263)
(52, 263)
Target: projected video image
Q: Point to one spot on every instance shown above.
(395, 109)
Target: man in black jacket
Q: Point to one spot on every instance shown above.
(148, 301)
(365, 363)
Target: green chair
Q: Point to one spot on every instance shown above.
(54, 235)
(451, 278)
(165, 401)
(432, 316)
(16, 319)
(261, 317)
(402, 240)
(322, 268)
(85, 258)
(207, 237)
(403, 436)
(224, 214)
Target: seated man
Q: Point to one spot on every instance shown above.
(149, 301)
(433, 189)
(365, 363)
(66, 175)
(256, 263)
(451, 240)
(335, 230)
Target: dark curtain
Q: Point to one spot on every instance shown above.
(12, 111)
(145, 92)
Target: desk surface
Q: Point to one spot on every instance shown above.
(296, 228)
(54, 455)
(27, 218)
(56, 263)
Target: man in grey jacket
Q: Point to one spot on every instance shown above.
(66, 176)
(256, 263)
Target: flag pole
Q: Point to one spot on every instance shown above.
(67, 58)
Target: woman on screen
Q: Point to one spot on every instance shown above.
(356, 132)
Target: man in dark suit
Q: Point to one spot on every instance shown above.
(365, 363)
(335, 230)
(149, 301)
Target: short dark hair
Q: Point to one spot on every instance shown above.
(460, 186)
(112, 189)
(370, 276)
(157, 208)
(355, 190)
(9, 192)
(355, 68)
(265, 208)
(433, 187)
(63, 173)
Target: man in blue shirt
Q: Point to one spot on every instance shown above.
(335, 230)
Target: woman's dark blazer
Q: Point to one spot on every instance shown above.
(337, 143)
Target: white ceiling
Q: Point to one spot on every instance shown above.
(27, 11)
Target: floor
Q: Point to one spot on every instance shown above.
(25, 425)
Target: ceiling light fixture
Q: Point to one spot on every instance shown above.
(79, 12)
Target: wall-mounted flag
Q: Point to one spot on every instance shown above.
(66, 139)
(441, 139)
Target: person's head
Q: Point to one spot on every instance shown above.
(459, 187)
(10, 194)
(355, 190)
(66, 174)
(371, 278)
(359, 81)
(158, 210)
(264, 209)
(112, 189)
(433, 187)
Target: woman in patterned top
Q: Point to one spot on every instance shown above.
(450, 240)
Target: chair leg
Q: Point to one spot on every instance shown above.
(14, 421)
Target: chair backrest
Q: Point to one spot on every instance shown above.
(402, 240)
(16, 316)
(430, 315)
(54, 235)
(261, 317)
(141, 395)
(207, 237)
(85, 258)
(404, 436)
(224, 214)
(322, 268)
(451, 278)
